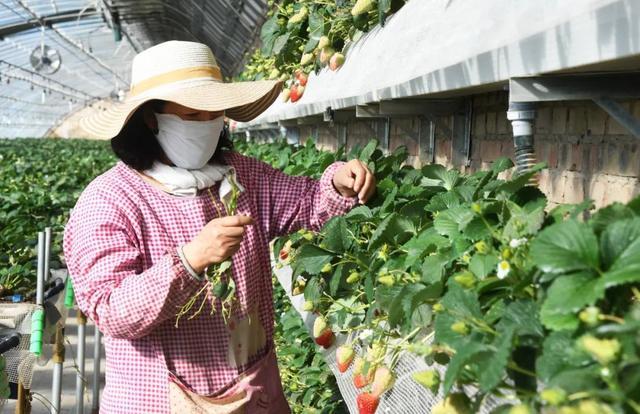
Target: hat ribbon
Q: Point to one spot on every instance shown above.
(176, 76)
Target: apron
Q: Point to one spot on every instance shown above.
(256, 391)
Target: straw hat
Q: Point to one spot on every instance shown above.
(185, 73)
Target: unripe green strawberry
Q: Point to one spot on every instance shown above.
(603, 350)
(430, 379)
(465, 279)
(306, 59)
(553, 396)
(387, 280)
(323, 42)
(383, 254)
(460, 328)
(481, 247)
(285, 95)
(437, 307)
(307, 306)
(274, 74)
(308, 235)
(457, 403)
(344, 356)
(326, 268)
(383, 380)
(353, 277)
(506, 253)
(590, 315)
(362, 6)
(476, 208)
(520, 409)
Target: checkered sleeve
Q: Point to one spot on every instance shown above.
(300, 202)
(112, 287)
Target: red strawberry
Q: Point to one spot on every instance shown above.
(284, 254)
(301, 77)
(367, 403)
(336, 61)
(296, 92)
(322, 333)
(383, 380)
(344, 356)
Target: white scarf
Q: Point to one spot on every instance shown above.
(184, 183)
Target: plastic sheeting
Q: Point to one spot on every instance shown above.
(450, 47)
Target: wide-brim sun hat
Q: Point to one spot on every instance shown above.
(185, 73)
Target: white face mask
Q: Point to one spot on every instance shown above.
(188, 144)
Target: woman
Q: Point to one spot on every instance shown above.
(142, 234)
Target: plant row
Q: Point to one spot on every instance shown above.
(475, 273)
(40, 181)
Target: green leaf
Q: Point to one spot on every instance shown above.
(483, 264)
(501, 164)
(313, 289)
(337, 237)
(462, 302)
(458, 361)
(280, 42)
(427, 241)
(567, 295)
(433, 268)
(610, 214)
(269, 32)
(492, 369)
(522, 317)
(360, 213)
(392, 228)
(451, 222)
(311, 258)
(558, 354)
(441, 176)
(368, 150)
(620, 244)
(316, 30)
(336, 279)
(565, 247)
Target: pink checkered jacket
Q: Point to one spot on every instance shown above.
(120, 248)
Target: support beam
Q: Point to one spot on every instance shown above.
(48, 20)
(603, 89)
(574, 87)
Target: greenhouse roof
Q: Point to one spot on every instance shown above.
(92, 44)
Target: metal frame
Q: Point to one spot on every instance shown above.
(603, 89)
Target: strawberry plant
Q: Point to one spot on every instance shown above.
(476, 273)
(301, 36)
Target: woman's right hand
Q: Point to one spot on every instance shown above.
(218, 240)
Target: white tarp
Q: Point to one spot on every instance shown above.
(434, 46)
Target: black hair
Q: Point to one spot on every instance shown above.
(137, 146)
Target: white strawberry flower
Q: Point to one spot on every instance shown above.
(503, 269)
(515, 243)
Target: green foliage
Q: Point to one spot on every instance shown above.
(40, 181)
(517, 299)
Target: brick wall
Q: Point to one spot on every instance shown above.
(589, 154)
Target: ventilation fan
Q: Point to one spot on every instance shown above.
(45, 59)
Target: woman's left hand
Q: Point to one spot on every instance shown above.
(354, 178)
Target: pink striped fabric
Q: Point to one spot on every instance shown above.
(120, 248)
